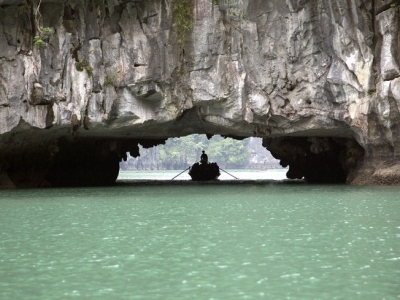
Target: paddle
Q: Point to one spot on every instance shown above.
(180, 173)
(228, 173)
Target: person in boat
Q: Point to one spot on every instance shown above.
(204, 158)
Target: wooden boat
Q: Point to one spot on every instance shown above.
(204, 172)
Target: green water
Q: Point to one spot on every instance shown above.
(186, 241)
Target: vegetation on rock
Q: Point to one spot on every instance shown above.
(44, 33)
(84, 66)
(38, 41)
(183, 18)
(110, 80)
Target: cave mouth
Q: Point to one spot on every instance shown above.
(178, 154)
(95, 161)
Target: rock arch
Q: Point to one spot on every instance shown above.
(101, 76)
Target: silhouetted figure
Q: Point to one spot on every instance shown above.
(204, 158)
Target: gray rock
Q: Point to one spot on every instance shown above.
(317, 70)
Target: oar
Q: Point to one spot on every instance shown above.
(180, 173)
(228, 173)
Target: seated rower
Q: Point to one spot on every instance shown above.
(204, 158)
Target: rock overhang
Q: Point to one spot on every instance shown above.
(116, 70)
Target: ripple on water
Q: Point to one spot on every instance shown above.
(202, 242)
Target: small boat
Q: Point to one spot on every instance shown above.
(204, 172)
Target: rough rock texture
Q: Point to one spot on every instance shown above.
(316, 78)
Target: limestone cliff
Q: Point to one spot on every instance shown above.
(84, 81)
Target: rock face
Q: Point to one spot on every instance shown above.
(82, 82)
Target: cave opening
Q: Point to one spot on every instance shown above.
(100, 161)
(310, 159)
(246, 156)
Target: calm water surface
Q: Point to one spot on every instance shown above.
(256, 240)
